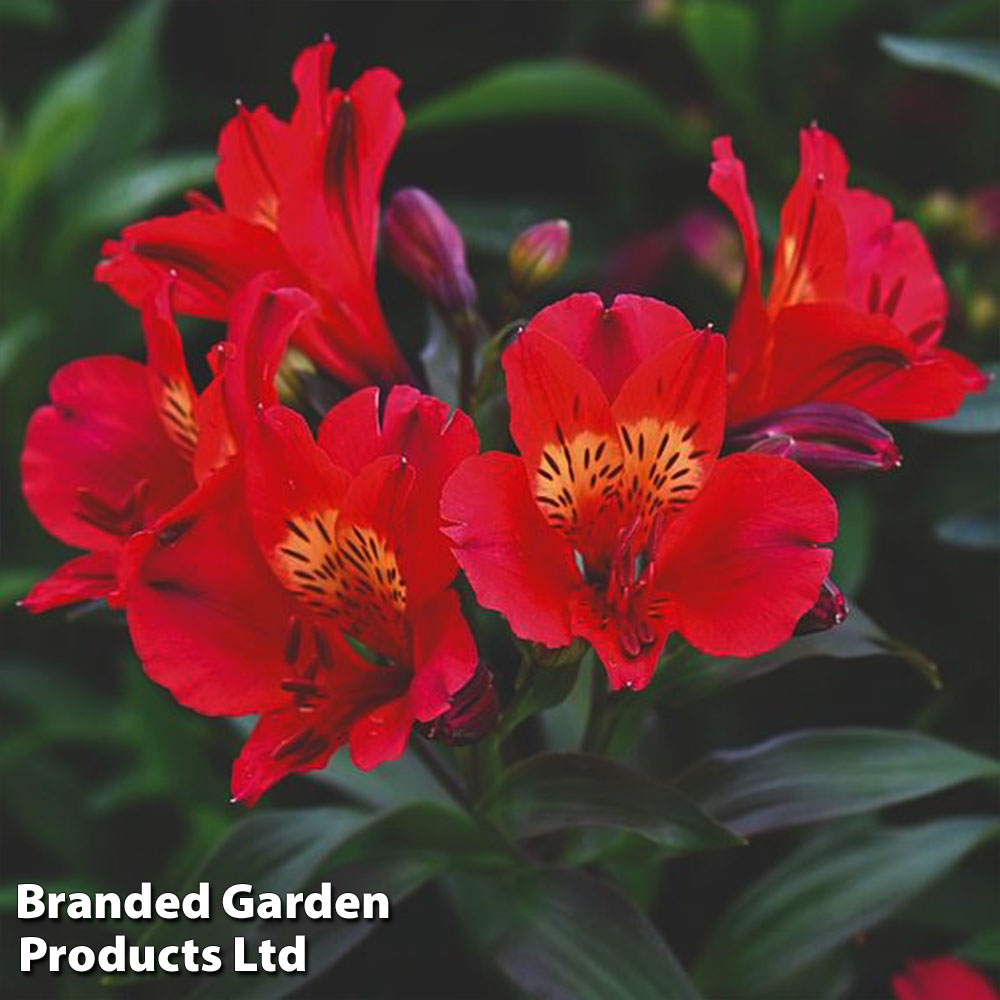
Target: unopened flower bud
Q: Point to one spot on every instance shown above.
(427, 247)
(538, 255)
(472, 715)
(983, 215)
(829, 610)
(823, 437)
(708, 239)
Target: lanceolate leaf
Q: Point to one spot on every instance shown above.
(976, 530)
(556, 88)
(840, 883)
(564, 791)
(295, 850)
(724, 37)
(563, 935)
(689, 675)
(396, 854)
(982, 948)
(975, 58)
(133, 191)
(818, 774)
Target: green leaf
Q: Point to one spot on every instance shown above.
(690, 675)
(57, 123)
(16, 339)
(974, 58)
(976, 530)
(557, 88)
(37, 13)
(16, 581)
(979, 412)
(133, 191)
(295, 850)
(94, 114)
(393, 784)
(552, 792)
(439, 357)
(805, 24)
(813, 775)
(724, 37)
(843, 881)
(563, 935)
(547, 686)
(396, 854)
(982, 948)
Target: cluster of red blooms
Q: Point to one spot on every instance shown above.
(661, 483)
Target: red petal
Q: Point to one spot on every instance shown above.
(743, 564)
(86, 578)
(516, 563)
(973, 378)
(263, 318)
(748, 330)
(332, 542)
(170, 384)
(328, 217)
(444, 655)
(828, 352)
(283, 742)
(942, 978)
(562, 424)
(311, 76)
(433, 438)
(671, 415)
(295, 495)
(296, 739)
(381, 735)
(207, 617)
(728, 182)
(211, 253)
(811, 257)
(101, 434)
(611, 343)
(891, 270)
(252, 150)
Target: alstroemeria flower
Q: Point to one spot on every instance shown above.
(300, 198)
(243, 599)
(123, 442)
(943, 978)
(855, 309)
(618, 523)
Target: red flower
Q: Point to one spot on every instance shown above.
(942, 979)
(618, 523)
(855, 309)
(300, 198)
(123, 442)
(109, 454)
(239, 600)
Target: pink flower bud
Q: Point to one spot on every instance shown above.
(707, 238)
(829, 610)
(538, 254)
(427, 247)
(823, 437)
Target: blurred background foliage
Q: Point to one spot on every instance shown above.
(601, 113)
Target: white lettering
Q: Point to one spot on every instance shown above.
(29, 904)
(32, 949)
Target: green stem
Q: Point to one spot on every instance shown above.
(442, 774)
(593, 733)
